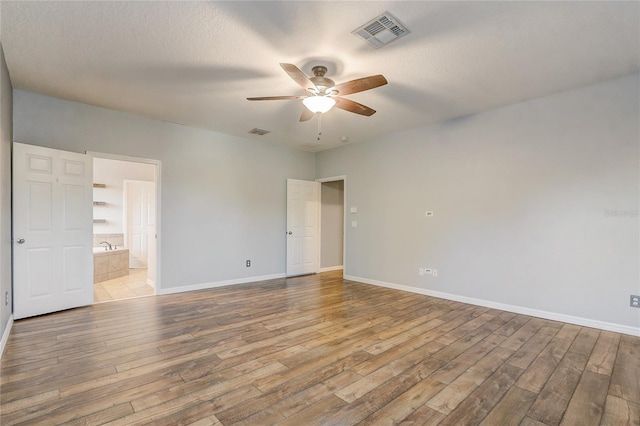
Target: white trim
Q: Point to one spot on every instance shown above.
(332, 179)
(157, 179)
(215, 284)
(331, 268)
(586, 322)
(5, 335)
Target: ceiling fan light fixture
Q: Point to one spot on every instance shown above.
(319, 104)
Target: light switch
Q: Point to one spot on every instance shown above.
(354, 223)
(353, 210)
(429, 213)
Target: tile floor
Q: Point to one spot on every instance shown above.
(132, 285)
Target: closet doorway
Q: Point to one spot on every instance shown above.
(332, 223)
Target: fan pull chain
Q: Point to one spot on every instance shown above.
(319, 125)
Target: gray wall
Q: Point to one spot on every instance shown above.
(332, 223)
(6, 136)
(223, 198)
(522, 199)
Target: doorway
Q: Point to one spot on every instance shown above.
(125, 217)
(332, 223)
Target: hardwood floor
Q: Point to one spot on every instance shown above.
(313, 350)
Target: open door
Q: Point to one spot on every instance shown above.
(52, 230)
(140, 221)
(302, 226)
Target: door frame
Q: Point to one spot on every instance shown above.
(157, 181)
(342, 178)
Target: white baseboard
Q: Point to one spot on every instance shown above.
(331, 268)
(215, 284)
(585, 322)
(5, 335)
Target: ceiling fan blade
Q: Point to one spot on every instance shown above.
(352, 106)
(360, 85)
(306, 115)
(299, 77)
(275, 98)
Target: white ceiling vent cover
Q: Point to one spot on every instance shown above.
(381, 30)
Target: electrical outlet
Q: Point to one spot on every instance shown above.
(248, 263)
(435, 272)
(428, 271)
(635, 301)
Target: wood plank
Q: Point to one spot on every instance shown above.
(458, 390)
(554, 397)
(604, 353)
(618, 411)
(315, 414)
(371, 402)
(585, 341)
(511, 409)
(301, 381)
(530, 350)
(587, 403)
(404, 405)
(523, 334)
(539, 371)
(424, 416)
(625, 379)
(475, 408)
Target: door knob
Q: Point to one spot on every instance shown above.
(20, 241)
(290, 233)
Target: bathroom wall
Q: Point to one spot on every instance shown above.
(111, 173)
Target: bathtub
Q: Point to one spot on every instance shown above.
(110, 264)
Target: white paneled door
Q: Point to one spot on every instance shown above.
(302, 226)
(140, 202)
(52, 230)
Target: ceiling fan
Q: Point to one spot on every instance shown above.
(324, 93)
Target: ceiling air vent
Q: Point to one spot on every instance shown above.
(381, 30)
(259, 132)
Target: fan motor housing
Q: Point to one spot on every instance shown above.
(319, 79)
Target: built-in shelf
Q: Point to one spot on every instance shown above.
(99, 220)
(99, 185)
(99, 203)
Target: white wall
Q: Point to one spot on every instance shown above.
(520, 196)
(112, 173)
(6, 136)
(332, 223)
(223, 198)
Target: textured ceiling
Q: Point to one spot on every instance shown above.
(194, 63)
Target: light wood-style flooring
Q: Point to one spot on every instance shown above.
(313, 350)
